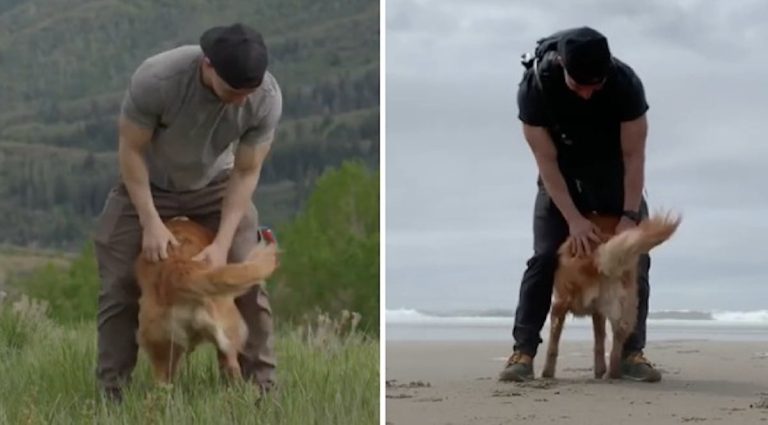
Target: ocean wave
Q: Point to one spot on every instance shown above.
(758, 316)
(410, 316)
(502, 316)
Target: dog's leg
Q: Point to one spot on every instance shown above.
(557, 319)
(616, 347)
(230, 338)
(233, 366)
(629, 306)
(620, 334)
(223, 370)
(165, 360)
(623, 325)
(598, 324)
(229, 365)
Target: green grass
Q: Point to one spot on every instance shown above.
(47, 377)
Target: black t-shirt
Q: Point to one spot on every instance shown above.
(586, 132)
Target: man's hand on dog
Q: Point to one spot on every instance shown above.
(583, 232)
(155, 239)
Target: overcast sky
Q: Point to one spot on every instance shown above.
(461, 179)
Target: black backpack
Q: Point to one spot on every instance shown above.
(544, 46)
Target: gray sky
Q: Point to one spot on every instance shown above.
(461, 180)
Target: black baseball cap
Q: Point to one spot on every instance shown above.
(586, 56)
(238, 54)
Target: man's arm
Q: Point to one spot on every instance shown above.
(240, 188)
(633, 136)
(133, 140)
(250, 154)
(546, 159)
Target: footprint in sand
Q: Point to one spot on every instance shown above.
(499, 393)
(392, 383)
(538, 384)
(577, 369)
(762, 404)
(429, 400)
(399, 396)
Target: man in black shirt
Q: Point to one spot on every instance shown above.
(583, 114)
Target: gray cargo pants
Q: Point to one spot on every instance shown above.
(117, 241)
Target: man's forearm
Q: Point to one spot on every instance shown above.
(237, 199)
(633, 135)
(545, 154)
(634, 176)
(558, 190)
(136, 179)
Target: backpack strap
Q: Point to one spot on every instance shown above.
(537, 76)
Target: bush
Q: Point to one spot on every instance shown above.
(331, 259)
(70, 292)
(20, 323)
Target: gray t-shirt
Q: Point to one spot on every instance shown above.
(194, 133)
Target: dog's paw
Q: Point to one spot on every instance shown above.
(615, 374)
(600, 370)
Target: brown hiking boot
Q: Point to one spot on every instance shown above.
(519, 368)
(636, 367)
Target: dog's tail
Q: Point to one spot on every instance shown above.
(619, 253)
(230, 279)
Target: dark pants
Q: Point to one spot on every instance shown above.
(118, 242)
(550, 230)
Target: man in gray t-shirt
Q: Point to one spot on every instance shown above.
(195, 126)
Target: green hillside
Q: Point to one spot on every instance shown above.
(64, 65)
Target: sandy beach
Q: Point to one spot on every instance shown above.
(718, 382)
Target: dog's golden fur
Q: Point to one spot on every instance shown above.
(604, 285)
(185, 302)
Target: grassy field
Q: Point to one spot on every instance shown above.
(15, 261)
(47, 377)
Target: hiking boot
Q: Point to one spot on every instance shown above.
(519, 368)
(636, 367)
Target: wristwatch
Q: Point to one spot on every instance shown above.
(632, 215)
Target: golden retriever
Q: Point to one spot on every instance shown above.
(185, 302)
(604, 285)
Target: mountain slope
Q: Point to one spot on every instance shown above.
(64, 65)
